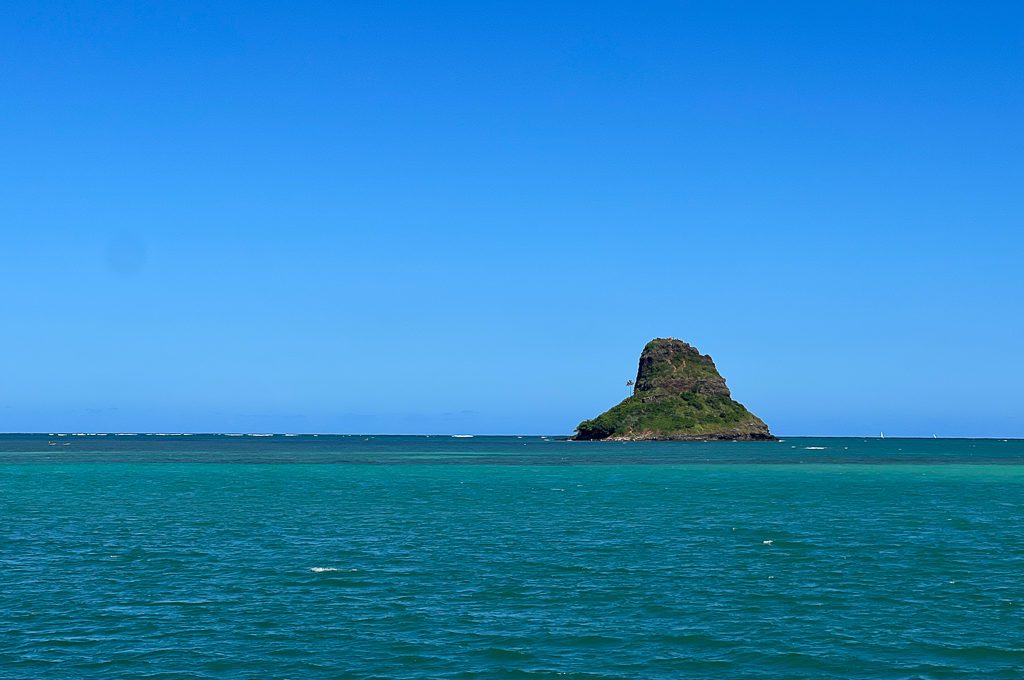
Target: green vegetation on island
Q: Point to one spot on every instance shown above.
(678, 395)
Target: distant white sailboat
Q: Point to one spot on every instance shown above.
(881, 435)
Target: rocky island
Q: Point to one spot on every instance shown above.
(678, 395)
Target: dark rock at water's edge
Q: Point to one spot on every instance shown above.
(679, 395)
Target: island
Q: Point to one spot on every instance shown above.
(678, 395)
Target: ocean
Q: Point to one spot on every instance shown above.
(212, 556)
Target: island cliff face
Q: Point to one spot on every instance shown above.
(679, 395)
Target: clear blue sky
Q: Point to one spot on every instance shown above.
(470, 217)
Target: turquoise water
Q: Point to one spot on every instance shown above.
(403, 557)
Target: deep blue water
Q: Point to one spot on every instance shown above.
(415, 557)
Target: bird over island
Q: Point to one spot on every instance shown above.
(678, 395)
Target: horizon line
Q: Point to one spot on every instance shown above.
(459, 435)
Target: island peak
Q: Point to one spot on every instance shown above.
(678, 395)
